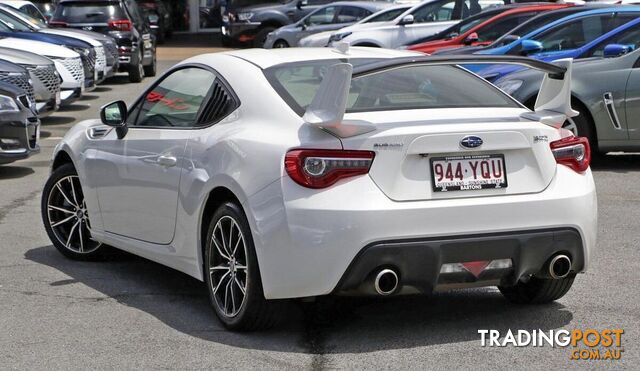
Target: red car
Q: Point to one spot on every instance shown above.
(482, 29)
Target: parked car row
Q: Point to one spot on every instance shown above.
(44, 68)
(602, 36)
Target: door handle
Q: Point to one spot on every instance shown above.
(167, 161)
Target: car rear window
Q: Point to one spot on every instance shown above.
(89, 11)
(407, 87)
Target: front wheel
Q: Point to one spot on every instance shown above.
(136, 72)
(232, 275)
(538, 290)
(65, 216)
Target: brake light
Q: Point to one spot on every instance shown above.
(120, 25)
(58, 24)
(321, 168)
(573, 152)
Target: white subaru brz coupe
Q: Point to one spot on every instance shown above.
(276, 174)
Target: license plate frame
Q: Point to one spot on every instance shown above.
(469, 186)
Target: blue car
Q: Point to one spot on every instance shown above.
(574, 36)
(11, 28)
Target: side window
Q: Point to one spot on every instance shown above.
(501, 27)
(133, 10)
(350, 14)
(435, 12)
(322, 16)
(580, 32)
(175, 101)
(630, 36)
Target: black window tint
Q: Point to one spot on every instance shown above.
(89, 12)
(176, 100)
(631, 36)
(350, 14)
(387, 15)
(503, 26)
(581, 31)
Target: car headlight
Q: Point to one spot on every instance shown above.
(338, 36)
(509, 86)
(8, 104)
(245, 16)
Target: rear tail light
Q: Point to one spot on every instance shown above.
(120, 25)
(321, 168)
(573, 152)
(58, 24)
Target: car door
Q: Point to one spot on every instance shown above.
(137, 177)
(633, 101)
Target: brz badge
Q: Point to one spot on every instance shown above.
(471, 141)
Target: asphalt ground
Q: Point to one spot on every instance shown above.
(129, 313)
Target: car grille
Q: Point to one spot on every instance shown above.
(47, 76)
(75, 68)
(101, 58)
(89, 64)
(112, 50)
(20, 80)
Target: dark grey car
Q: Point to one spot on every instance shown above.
(327, 18)
(605, 90)
(19, 125)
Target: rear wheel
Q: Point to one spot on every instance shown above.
(537, 290)
(232, 275)
(261, 36)
(151, 69)
(136, 72)
(65, 216)
(279, 44)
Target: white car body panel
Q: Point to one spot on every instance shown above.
(311, 234)
(55, 52)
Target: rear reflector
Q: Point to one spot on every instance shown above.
(321, 168)
(476, 267)
(573, 152)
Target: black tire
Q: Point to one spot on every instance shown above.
(151, 70)
(537, 290)
(279, 44)
(63, 191)
(136, 71)
(254, 312)
(261, 36)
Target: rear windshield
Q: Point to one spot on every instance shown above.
(408, 87)
(89, 12)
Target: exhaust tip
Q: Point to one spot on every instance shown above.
(559, 266)
(386, 282)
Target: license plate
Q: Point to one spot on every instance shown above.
(469, 172)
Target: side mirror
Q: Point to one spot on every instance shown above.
(301, 3)
(616, 50)
(531, 47)
(473, 37)
(509, 39)
(407, 19)
(114, 114)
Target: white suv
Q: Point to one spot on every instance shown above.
(422, 20)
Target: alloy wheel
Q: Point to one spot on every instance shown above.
(68, 217)
(228, 266)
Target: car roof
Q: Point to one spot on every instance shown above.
(265, 58)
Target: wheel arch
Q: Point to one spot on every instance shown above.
(61, 158)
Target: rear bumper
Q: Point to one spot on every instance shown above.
(306, 239)
(419, 262)
(240, 31)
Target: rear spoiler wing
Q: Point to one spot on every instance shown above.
(328, 106)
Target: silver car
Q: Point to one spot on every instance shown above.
(330, 17)
(605, 90)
